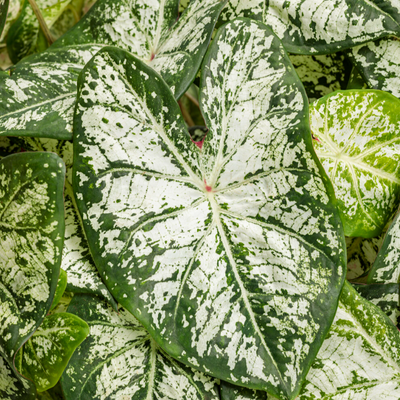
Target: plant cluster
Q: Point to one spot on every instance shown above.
(198, 200)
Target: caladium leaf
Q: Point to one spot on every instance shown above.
(320, 27)
(379, 64)
(386, 268)
(31, 237)
(3, 14)
(383, 295)
(12, 385)
(208, 248)
(119, 359)
(357, 141)
(46, 354)
(83, 276)
(232, 392)
(360, 358)
(60, 289)
(321, 75)
(361, 254)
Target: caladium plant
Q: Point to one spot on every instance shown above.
(197, 204)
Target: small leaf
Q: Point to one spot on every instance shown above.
(360, 357)
(320, 27)
(357, 141)
(379, 64)
(119, 359)
(383, 295)
(61, 285)
(386, 268)
(212, 249)
(46, 354)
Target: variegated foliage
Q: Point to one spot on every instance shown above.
(383, 295)
(232, 392)
(358, 144)
(31, 238)
(360, 357)
(379, 64)
(323, 26)
(120, 360)
(77, 261)
(3, 13)
(60, 289)
(232, 255)
(386, 268)
(46, 354)
(321, 75)
(39, 97)
(25, 36)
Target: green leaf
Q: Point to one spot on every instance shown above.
(3, 14)
(357, 141)
(323, 26)
(232, 392)
(46, 354)
(386, 268)
(383, 295)
(60, 289)
(83, 276)
(212, 249)
(356, 81)
(321, 75)
(360, 358)
(379, 64)
(119, 360)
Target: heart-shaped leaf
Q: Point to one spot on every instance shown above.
(46, 354)
(360, 358)
(321, 75)
(39, 98)
(218, 251)
(379, 64)
(119, 358)
(3, 14)
(357, 141)
(323, 26)
(383, 295)
(386, 268)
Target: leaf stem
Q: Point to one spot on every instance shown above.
(186, 116)
(42, 22)
(74, 13)
(192, 99)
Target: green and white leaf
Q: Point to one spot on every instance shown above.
(361, 254)
(232, 392)
(25, 36)
(386, 268)
(13, 386)
(14, 8)
(8, 146)
(120, 360)
(77, 261)
(31, 239)
(63, 304)
(356, 81)
(383, 295)
(46, 354)
(323, 26)
(60, 289)
(3, 14)
(212, 249)
(357, 141)
(321, 75)
(379, 64)
(360, 357)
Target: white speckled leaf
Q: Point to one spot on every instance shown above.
(360, 358)
(323, 26)
(120, 360)
(217, 251)
(31, 238)
(321, 75)
(386, 267)
(232, 392)
(77, 261)
(379, 64)
(383, 295)
(45, 355)
(357, 141)
(3, 14)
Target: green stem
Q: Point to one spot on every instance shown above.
(42, 22)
